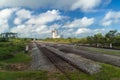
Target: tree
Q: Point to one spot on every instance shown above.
(117, 40)
(98, 39)
(90, 39)
(110, 37)
(69, 39)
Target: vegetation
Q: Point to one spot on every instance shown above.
(19, 58)
(109, 40)
(13, 51)
(62, 40)
(113, 52)
(108, 72)
(23, 75)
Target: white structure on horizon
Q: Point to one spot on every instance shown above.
(55, 34)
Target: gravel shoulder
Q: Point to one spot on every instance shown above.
(39, 60)
(104, 58)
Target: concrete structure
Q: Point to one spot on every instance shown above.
(55, 34)
(9, 35)
(80, 62)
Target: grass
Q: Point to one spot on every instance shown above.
(13, 52)
(23, 75)
(104, 51)
(108, 72)
(19, 58)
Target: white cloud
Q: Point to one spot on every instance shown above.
(83, 30)
(35, 25)
(4, 27)
(55, 26)
(31, 31)
(111, 17)
(22, 15)
(107, 23)
(56, 4)
(46, 17)
(85, 4)
(5, 14)
(84, 22)
(17, 21)
(102, 31)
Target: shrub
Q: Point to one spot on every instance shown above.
(4, 56)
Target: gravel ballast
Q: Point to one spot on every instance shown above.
(83, 64)
(104, 58)
(39, 60)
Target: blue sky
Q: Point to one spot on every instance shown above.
(72, 18)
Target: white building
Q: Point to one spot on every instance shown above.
(55, 34)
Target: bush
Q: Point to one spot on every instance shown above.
(4, 56)
(4, 39)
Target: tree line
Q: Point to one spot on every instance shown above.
(109, 40)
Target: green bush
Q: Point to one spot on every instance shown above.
(4, 39)
(4, 56)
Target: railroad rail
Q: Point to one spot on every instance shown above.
(63, 66)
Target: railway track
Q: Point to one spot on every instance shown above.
(63, 66)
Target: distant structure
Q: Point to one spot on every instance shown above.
(9, 35)
(55, 34)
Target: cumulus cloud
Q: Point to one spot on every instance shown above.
(5, 14)
(83, 30)
(27, 17)
(55, 26)
(46, 17)
(84, 22)
(36, 31)
(27, 24)
(84, 5)
(35, 25)
(4, 28)
(22, 15)
(107, 23)
(88, 31)
(110, 18)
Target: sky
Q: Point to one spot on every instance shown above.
(72, 18)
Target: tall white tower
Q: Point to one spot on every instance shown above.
(54, 34)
